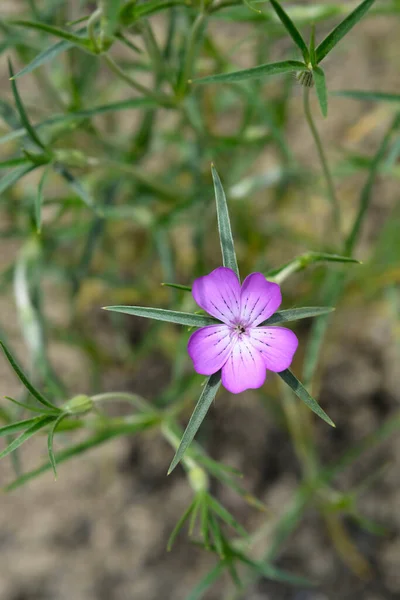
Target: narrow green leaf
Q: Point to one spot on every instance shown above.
(8, 180)
(342, 29)
(21, 111)
(111, 9)
(207, 396)
(83, 114)
(320, 87)
(369, 95)
(24, 379)
(92, 442)
(132, 12)
(180, 524)
(36, 409)
(294, 314)
(204, 520)
(56, 31)
(217, 535)
(271, 572)
(161, 314)
(226, 516)
(313, 55)
(34, 428)
(235, 575)
(18, 426)
(314, 257)
(50, 439)
(224, 225)
(287, 66)
(366, 192)
(44, 57)
(301, 262)
(75, 185)
(178, 286)
(39, 201)
(291, 29)
(291, 380)
(14, 162)
(206, 582)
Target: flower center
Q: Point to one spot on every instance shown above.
(240, 328)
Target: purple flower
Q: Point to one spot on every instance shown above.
(243, 350)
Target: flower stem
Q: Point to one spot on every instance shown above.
(190, 54)
(324, 163)
(160, 98)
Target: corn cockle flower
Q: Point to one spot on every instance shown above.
(239, 345)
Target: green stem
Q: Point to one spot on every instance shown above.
(160, 98)
(324, 163)
(134, 399)
(190, 54)
(225, 4)
(160, 67)
(91, 26)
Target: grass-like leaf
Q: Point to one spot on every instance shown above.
(56, 31)
(39, 201)
(32, 408)
(111, 11)
(291, 380)
(14, 162)
(207, 396)
(291, 29)
(286, 66)
(18, 426)
(21, 111)
(161, 314)
(31, 388)
(28, 433)
(14, 176)
(178, 286)
(342, 29)
(320, 88)
(133, 12)
(46, 56)
(224, 225)
(305, 260)
(83, 114)
(369, 95)
(366, 192)
(50, 438)
(93, 441)
(180, 524)
(226, 516)
(313, 54)
(207, 581)
(76, 186)
(294, 314)
(270, 572)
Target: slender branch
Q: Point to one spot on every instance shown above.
(324, 163)
(160, 98)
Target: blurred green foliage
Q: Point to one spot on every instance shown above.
(110, 121)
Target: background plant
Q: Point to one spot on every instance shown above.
(107, 192)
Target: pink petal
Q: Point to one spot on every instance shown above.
(277, 345)
(219, 294)
(259, 299)
(209, 348)
(244, 369)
